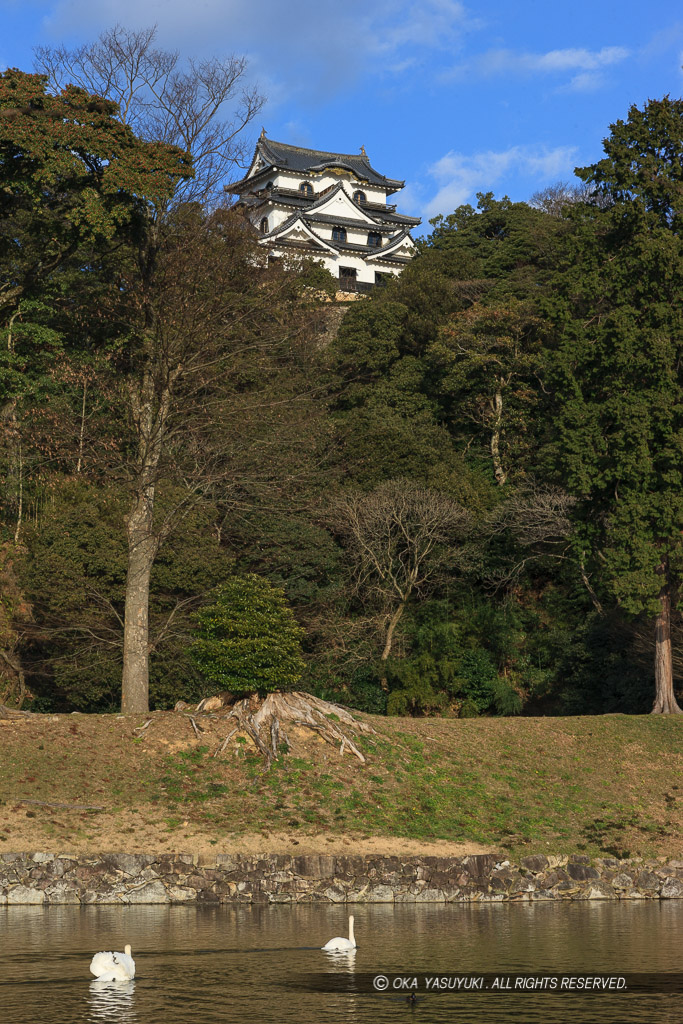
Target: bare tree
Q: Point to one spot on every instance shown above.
(400, 538)
(490, 363)
(535, 514)
(556, 199)
(202, 106)
(209, 343)
(537, 517)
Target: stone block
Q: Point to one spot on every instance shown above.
(580, 870)
(25, 895)
(382, 894)
(61, 893)
(154, 892)
(335, 894)
(180, 894)
(535, 864)
(672, 889)
(430, 896)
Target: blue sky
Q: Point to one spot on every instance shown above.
(455, 98)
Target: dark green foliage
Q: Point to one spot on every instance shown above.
(525, 346)
(317, 279)
(72, 176)
(602, 667)
(359, 689)
(619, 360)
(73, 576)
(487, 367)
(500, 250)
(453, 667)
(248, 640)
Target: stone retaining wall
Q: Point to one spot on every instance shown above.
(46, 878)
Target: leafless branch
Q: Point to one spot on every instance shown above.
(202, 106)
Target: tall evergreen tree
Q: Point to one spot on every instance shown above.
(620, 365)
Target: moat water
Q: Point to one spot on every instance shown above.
(264, 964)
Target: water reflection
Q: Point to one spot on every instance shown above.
(341, 958)
(208, 965)
(112, 1001)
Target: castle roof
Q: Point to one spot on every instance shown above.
(363, 213)
(305, 224)
(270, 155)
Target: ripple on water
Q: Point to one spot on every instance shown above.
(236, 963)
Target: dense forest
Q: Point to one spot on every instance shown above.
(461, 497)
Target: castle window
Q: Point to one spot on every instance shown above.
(306, 188)
(339, 234)
(269, 185)
(264, 226)
(375, 239)
(347, 279)
(360, 197)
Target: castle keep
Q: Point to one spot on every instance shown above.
(331, 206)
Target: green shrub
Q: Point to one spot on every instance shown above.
(450, 668)
(248, 640)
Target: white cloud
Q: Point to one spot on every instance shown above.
(315, 48)
(568, 60)
(459, 176)
(554, 62)
(586, 81)
(434, 24)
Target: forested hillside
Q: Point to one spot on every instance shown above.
(466, 501)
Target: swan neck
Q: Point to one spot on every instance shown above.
(351, 935)
(127, 949)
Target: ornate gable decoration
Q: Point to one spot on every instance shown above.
(297, 230)
(339, 203)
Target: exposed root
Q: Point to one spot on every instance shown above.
(219, 749)
(6, 712)
(197, 728)
(141, 728)
(265, 721)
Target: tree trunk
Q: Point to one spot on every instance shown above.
(393, 623)
(20, 495)
(81, 437)
(665, 701)
(498, 471)
(143, 543)
(142, 549)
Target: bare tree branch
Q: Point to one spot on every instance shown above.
(201, 106)
(399, 538)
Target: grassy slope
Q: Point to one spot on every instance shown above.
(606, 784)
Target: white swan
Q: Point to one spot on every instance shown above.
(113, 966)
(340, 943)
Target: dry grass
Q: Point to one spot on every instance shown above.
(610, 784)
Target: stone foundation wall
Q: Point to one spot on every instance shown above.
(46, 878)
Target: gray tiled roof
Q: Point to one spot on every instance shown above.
(334, 243)
(373, 210)
(297, 158)
(359, 225)
(303, 161)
